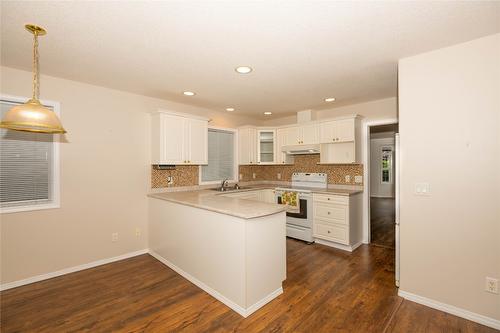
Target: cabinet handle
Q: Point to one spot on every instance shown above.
(328, 231)
(328, 199)
(328, 213)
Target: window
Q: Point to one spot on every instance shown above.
(221, 157)
(29, 166)
(386, 165)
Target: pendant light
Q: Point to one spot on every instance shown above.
(32, 116)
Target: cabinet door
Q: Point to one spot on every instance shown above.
(280, 142)
(243, 146)
(345, 130)
(293, 136)
(252, 142)
(309, 134)
(266, 145)
(327, 132)
(197, 152)
(172, 136)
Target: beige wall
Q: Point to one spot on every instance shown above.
(374, 110)
(449, 109)
(105, 173)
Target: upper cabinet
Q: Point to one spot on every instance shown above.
(282, 140)
(179, 139)
(302, 134)
(340, 141)
(266, 146)
(247, 145)
(337, 131)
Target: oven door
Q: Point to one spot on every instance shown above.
(303, 217)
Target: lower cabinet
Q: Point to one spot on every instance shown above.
(337, 218)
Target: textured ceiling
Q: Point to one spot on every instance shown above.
(301, 52)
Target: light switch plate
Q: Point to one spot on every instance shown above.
(254, 175)
(358, 179)
(347, 179)
(422, 189)
(278, 175)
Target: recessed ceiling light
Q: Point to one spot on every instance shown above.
(330, 99)
(267, 113)
(230, 109)
(243, 69)
(189, 93)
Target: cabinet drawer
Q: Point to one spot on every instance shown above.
(335, 213)
(337, 199)
(333, 233)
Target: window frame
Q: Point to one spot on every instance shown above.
(55, 201)
(235, 155)
(385, 151)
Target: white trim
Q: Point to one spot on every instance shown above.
(237, 308)
(55, 201)
(181, 114)
(366, 172)
(382, 196)
(466, 314)
(348, 248)
(73, 269)
(235, 155)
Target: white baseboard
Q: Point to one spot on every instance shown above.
(237, 308)
(73, 269)
(348, 248)
(475, 317)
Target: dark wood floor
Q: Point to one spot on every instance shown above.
(327, 290)
(382, 212)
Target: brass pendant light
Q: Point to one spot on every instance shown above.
(32, 116)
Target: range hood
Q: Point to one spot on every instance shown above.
(300, 149)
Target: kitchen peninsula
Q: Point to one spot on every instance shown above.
(232, 248)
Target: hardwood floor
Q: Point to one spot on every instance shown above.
(326, 290)
(382, 212)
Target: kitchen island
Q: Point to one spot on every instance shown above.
(232, 248)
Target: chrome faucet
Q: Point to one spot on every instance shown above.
(223, 185)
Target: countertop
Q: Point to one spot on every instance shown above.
(247, 209)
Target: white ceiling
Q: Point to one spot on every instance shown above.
(301, 51)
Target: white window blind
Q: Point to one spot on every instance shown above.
(220, 156)
(26, 166)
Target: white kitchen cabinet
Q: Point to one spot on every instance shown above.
(340, 141)
(302, 134)
(337, 131)
(264, 195)
(178, 139)
(266, 146)
(247, 145)
(337, 219)
(281, 140)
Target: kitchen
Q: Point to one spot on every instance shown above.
(213, 168)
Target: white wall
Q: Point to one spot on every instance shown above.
(105, 173)
(449, 113)
(377, 188)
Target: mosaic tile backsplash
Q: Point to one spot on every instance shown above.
(187, 175)
(303, 163)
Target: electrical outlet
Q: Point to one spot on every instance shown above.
(347, 179)
(241, 176)
(170, 180)
(278, 176)
(491, 285)
(254, 175)
(114, 237)
(358, 179)
(138, 232)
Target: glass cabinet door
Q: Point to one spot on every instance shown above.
(266, 146)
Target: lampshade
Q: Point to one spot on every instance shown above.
(32, 116)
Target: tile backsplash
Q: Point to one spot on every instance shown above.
(188, 175)
(183, 175)
(303, 163)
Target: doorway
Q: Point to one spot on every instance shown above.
(382, 186)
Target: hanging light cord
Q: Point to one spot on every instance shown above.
(36, 85)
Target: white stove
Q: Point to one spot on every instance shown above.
(299, 225)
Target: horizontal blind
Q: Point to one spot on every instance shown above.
(25, 166)
(220, 156)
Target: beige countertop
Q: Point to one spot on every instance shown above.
(211, 200)
(242, 208)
